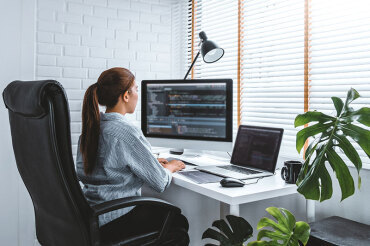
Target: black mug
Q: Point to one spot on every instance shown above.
(290, 171)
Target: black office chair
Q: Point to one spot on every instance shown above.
(40, 128)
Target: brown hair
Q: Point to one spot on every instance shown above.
(110, 85)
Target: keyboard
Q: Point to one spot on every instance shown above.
(239, 169)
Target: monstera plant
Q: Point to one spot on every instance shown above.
(285, 232)
(330, 136)
(236, 234)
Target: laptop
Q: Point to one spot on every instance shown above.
(254, 155)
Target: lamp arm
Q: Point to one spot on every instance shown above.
(192, 64)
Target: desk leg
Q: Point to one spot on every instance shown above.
(226, 209)
(310, 210)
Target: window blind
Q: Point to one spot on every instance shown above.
(272, 46)
(219, 20)
(272, 77)
(339, 56)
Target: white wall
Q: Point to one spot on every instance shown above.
(77, 40)
(16, 62)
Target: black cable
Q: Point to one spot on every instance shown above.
(276, 170)
(228, 154)
(256, 181)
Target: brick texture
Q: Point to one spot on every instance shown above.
(77, 40)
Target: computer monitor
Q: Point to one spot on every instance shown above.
(188, 114)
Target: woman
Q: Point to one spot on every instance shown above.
(114, 159)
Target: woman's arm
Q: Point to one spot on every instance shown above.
(143, 164)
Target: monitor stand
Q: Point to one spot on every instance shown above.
(186, 153)
(176, 151)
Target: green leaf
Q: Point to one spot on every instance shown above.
(307, 132)
(311, 148)
(342, 172)
(303, 171)
(241, 228)
(210, 233)
(314, 181)
(275, 236)
(223, 227)
(338, 104)
(302, 232)
(265, 222)
(349, 151)
(292, 233)
(359, 135)
(282, 218)
(238, 232)
(311, 116)
(351, 96)
(362, 115)
(326, 183)
(310, 185)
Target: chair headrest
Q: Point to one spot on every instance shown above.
(28, 97)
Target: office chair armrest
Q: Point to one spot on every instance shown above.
(109, 206)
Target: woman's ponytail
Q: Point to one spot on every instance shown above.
(90, 129)
(111, 84)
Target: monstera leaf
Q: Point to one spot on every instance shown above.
(286, 232)
(330, 135)
(239, 232)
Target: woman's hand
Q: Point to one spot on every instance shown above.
(162, 161)
(174, 165)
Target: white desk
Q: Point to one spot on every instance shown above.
(231, 198)
(204, 203)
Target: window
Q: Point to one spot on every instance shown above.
(339, 56)
(218, 19)
(289, 62)
(273, 66)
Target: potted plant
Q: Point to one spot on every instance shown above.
(285, 231)
(330, 134)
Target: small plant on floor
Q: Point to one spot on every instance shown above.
(286, 231)
(236, 234)
(330, 134)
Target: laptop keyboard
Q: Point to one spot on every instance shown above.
(239, 169)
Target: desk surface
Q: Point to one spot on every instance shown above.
(265, 188)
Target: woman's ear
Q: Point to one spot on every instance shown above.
(125, 96)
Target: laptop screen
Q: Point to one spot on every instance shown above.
(257, 147)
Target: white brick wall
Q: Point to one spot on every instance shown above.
(79, 39)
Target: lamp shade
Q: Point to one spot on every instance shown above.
(211, 52)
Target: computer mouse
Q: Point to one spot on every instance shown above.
(231, 182)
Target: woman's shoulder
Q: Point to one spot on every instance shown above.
(120, 129)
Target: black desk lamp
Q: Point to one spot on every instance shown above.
(210, 51)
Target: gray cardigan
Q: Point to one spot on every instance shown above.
(124, 163)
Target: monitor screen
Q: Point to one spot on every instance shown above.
(187, 109)
(257, 147)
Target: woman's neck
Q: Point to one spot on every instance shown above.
(116, 110)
